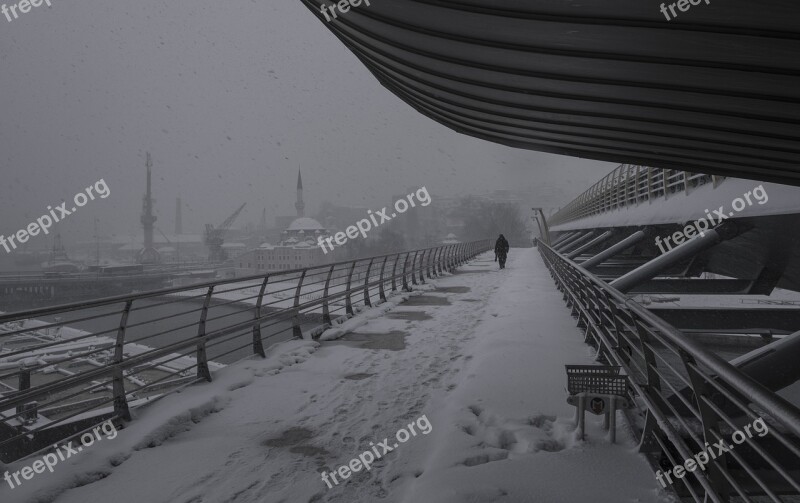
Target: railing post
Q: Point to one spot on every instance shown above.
(348, 302)
(26, 411)
(202, 358)
(451, 257)
(437, 261)
(422, 267)
(394, 273)
(118, 378)
(381, 292)
(405, 268)
(297, 333)
(366, 284)
(707, 416)
(413, 265)
(326, 314)
(258, 345)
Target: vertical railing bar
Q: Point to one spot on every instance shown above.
(405, 268)
(121, 409)
(202, 359)
(381, 292)
(348, 301)
(297, 332)
(326, 314)
(394, 272)
(366, 284)
(258, 344)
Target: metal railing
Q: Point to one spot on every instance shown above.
(691, 398)
(99, 359)
(629, 185)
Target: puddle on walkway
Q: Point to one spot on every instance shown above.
(470, 300)
(453, 289)
(294, 436)
(426, 300)
(409, 315)
(358, 377)
(393, 341)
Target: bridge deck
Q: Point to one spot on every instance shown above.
(474, 356)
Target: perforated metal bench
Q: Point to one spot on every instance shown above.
(602, 390)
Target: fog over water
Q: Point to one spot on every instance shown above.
(230, 99)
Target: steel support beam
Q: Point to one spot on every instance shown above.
(775, 365)
(616, 249)
(694, 286)
(720, 319)
(577, 242)
(568, 241)
(594, 242)
(653, 268)
(567, 235)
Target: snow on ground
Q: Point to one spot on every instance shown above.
(481, 357)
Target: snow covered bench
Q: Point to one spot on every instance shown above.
(602, 388)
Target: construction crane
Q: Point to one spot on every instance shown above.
(215, 237)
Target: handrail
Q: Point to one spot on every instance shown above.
(104, 301)
(629, 185)
(691, 395)
(137, 350)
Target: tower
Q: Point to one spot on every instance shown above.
(299, 205)
(148, 254)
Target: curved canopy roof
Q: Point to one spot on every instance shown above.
(715, 89)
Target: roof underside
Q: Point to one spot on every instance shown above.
(714, 90)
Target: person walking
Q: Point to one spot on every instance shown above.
(501, 250)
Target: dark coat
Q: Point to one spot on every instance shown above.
(501, 246)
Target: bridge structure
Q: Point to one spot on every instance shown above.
(663, 312)
(702, 332)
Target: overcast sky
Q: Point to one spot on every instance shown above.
(229, 97)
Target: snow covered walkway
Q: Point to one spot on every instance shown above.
(481, 356)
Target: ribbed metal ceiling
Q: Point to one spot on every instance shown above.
(714, 90)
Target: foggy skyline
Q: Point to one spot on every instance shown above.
(228, 115)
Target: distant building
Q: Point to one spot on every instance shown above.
(450, 239)
(298, 246)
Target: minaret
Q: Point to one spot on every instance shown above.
(299, 205)
(148, 254)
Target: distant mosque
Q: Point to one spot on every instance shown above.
(303, 229)
(298, 246)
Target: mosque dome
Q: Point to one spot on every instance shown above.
(305, 224)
